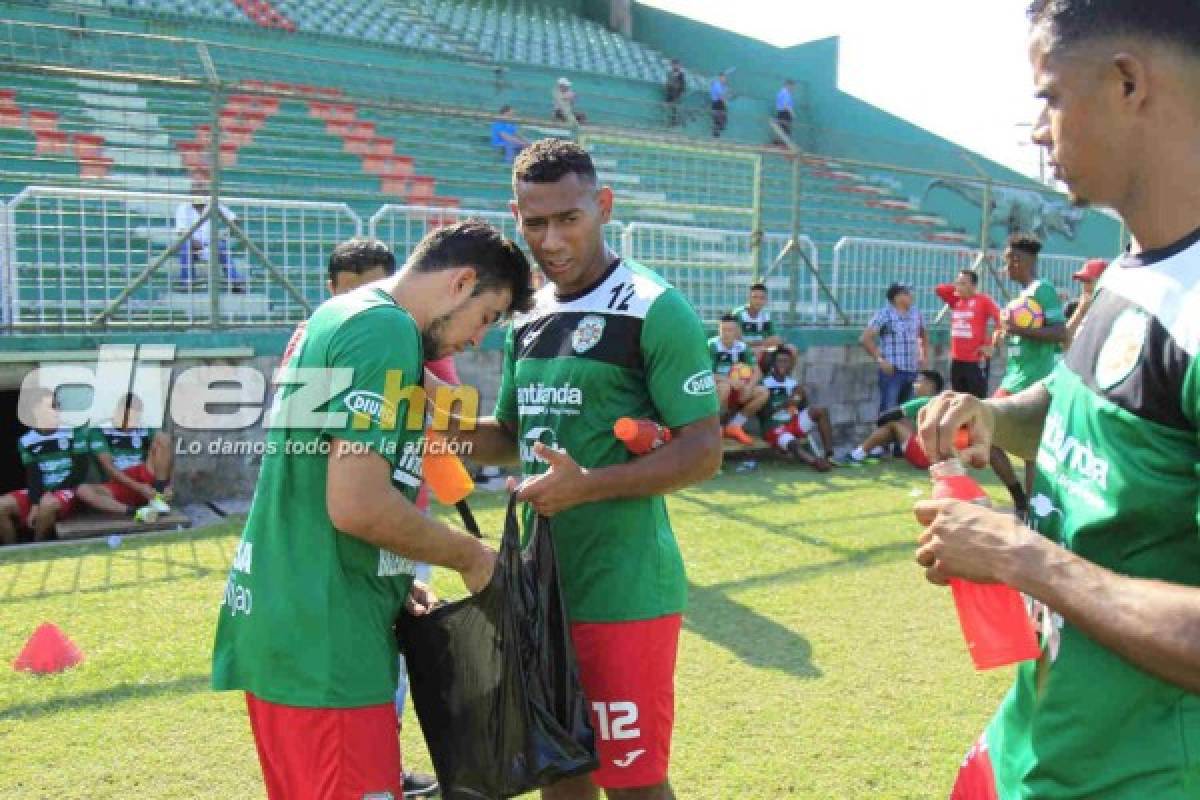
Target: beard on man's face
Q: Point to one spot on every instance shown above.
(433, 338)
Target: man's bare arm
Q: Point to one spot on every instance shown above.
(692, 455)
(363, 503)
(491, 441)
(1018, 420)
(1049, 333)
(1151, 624)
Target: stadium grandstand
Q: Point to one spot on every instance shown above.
(312, 121)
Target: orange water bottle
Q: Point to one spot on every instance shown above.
(992, 616)
(641, 435)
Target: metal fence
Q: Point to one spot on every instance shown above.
(864, 268)
(81, 258)
(93, 259)
(715, 268)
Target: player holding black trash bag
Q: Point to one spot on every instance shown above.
(325, 562)
(494, 679)
(606, 339)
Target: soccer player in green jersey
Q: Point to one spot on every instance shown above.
(1111, 558)
(326, 558)
(135, 459)
(606, 339)
(55, 460)
(1032, 351)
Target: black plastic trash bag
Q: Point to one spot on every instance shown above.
(494, 680)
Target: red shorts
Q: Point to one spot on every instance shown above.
(914, 452)
(327, 753)
(797, 427)
(628, 674)
(976, 780)
(67, 500)
(123, 494)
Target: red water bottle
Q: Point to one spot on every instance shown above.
(641, 435)
(992, 616)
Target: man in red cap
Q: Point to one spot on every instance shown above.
(1087, 275)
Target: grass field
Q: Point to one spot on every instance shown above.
(815, 660)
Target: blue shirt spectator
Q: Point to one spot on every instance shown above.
(505, 136)
(783, 99)
(719, 88)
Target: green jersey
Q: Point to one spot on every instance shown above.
(723, 358)
(755, 327)
(1029, 360)
(777, 411)
(913, 407)
(307, 615)
(53, 459)
(1116, 484)
(129, 447)
(629, 346)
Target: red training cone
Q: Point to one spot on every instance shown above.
(48, 650)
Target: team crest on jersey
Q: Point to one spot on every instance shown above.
(1122, 349)
(587, 333)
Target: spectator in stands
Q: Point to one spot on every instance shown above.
(55, 461)
(505, 137)
(674, 90)
(897, 426)
(757, 329)
(354, 263)
(719, 94)
(970, 342)
(896, 339)
(135, 459)
(1087, 275)
(787, 420)
(564, 104)
(738, 376)
(785, 109)
(194, 253)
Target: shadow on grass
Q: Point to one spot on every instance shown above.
(790, 530)
(754, 638)
(866, 557)
(189, 684)
(149, 554)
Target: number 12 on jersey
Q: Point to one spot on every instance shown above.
(616, 720)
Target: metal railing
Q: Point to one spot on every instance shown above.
(863, 269)
(715, 269)
(81, 258)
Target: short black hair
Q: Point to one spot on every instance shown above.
(497, 260)
(1026, 243)
(1074, 21)
(755, 287)
(360, 254)
(934, 377)
(504, 109)
(897, 289)
(971, 275)
(550, 160)
(728, 318)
